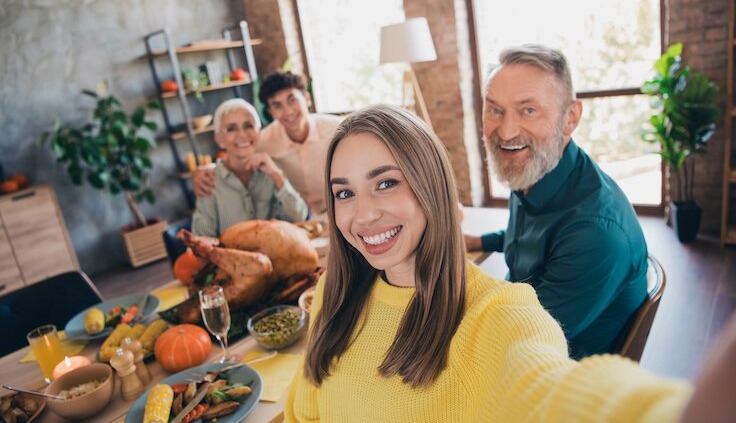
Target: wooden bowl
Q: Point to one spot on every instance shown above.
(201, 122)
(88, 404)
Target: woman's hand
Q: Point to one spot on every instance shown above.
(713, 399)
(264, 163)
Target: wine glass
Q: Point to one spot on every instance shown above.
(216, 316)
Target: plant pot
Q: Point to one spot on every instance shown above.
(686, 219)
(145, 245)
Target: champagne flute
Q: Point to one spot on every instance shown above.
(216, 316)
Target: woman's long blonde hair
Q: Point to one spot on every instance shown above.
(419, 351)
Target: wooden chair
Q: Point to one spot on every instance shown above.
(51, 301)
(635, 333)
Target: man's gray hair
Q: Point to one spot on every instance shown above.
(540, 56)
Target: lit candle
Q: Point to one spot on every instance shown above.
(70, 363)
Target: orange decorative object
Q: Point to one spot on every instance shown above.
(21, 179)
(169, 86)
(182, 347)
(10, 185)
(186, 266)
(238, 74)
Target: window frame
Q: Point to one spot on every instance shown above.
(488, 199)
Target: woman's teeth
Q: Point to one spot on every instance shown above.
(381, 238)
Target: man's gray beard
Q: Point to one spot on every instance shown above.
(545, 155)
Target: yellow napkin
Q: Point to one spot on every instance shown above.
(70, 348)
(170, 295)
(276, 373)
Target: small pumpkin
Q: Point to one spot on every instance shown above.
(186, 266)
(181, 347)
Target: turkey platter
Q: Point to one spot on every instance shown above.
(256, 260)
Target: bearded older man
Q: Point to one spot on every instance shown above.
(572, 234)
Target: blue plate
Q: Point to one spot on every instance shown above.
(243, 374)
(75, 327)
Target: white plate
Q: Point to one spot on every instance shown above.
(75, 327)
(243, 374)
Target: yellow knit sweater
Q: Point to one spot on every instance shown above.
(508, 362)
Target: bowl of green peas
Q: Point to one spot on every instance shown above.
(278, 326)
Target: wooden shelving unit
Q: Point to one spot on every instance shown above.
(211, 87)
(238, 52)
(728, 221)
(208, 45)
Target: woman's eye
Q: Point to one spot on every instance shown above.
(231, 129)
(247, 126)
(529, 111)
(343, 194)
(388, 183)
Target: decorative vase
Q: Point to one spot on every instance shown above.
(686, 219)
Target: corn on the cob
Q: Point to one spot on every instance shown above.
(107, 350)
(153, 331)
(158, 404)
(94, 321)
(136, 331)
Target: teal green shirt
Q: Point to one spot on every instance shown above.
(576, 239)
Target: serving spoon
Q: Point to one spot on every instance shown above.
(40, 394)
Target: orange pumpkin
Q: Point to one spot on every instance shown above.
(186, 266)
(181, 347)
(21, 179)
(9, 186)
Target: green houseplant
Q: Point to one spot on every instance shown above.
(110, 154)
(684, 116)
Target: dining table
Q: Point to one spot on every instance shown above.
(27, 375)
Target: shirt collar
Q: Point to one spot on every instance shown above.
(229, 177)
(547, 187)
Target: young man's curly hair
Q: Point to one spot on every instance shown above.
(278, 81)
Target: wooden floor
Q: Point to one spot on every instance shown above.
(699, 297)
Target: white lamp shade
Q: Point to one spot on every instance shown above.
(408, 41)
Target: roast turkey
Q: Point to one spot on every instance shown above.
(254, 259)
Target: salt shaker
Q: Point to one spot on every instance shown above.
(130, 385)
(134, 346)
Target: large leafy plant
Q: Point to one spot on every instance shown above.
(684, 116)
(109, 153)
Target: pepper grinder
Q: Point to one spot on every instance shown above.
(134, 346)
(130, 385)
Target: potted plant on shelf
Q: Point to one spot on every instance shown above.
(683, 120)
(110, 154)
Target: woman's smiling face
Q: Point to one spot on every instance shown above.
(375, 208)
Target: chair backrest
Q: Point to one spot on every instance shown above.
(51, 301)
(636, 331)
(174, 247)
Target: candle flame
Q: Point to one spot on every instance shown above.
(67, 361)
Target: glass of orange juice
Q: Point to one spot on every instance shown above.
(44, 341)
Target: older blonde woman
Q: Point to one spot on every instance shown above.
(249, 185)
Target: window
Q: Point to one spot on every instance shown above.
(342, 39)
(611, 47)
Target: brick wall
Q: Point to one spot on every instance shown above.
(702, 27)
(440, 82)
(264, 19)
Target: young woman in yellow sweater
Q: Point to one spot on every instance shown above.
(406, 330)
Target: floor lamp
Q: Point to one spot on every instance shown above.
(409, 42)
